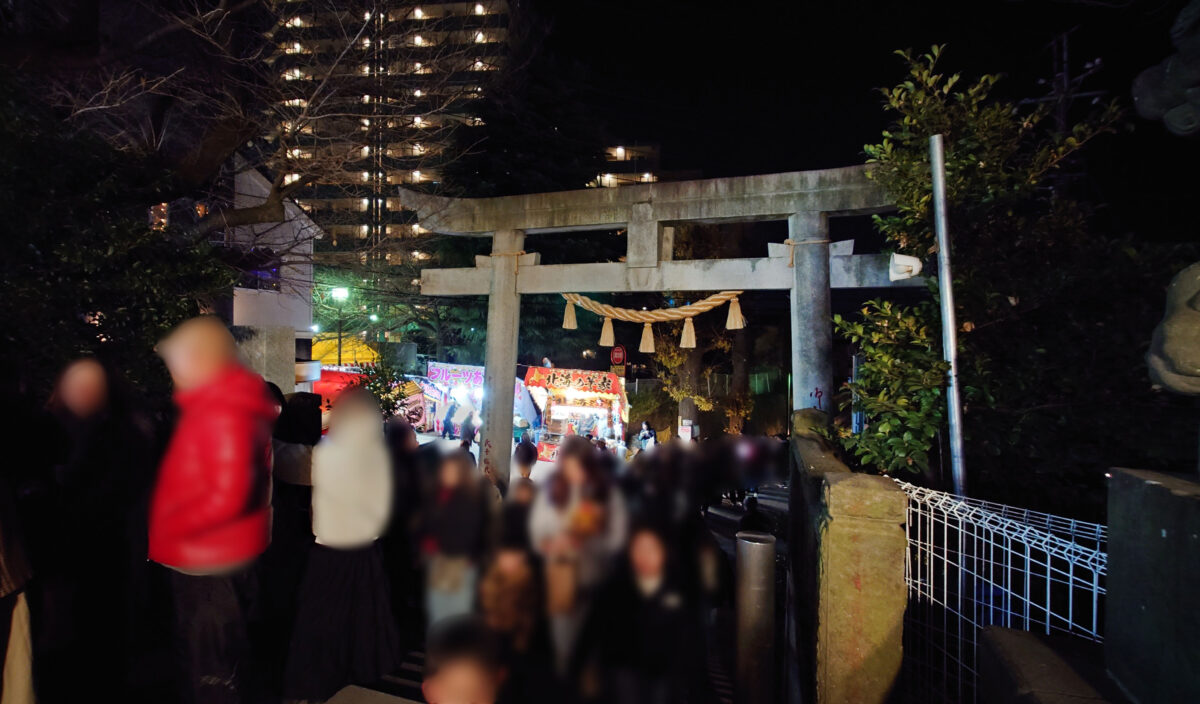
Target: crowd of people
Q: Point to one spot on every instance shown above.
(294, 550)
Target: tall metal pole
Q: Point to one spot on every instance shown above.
(755, 618)
(941, 228)
(339, 335)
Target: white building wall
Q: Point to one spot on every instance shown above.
(291, 305)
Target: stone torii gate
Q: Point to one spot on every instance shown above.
(804, 265)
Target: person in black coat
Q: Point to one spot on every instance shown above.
(448, 421)
(103, 467)
(641, 638)
(525, 455)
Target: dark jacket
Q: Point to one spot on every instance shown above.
(454, 525)
(652, 637)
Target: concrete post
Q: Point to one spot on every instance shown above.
(755, 613)
(812, 331)
(500, 361)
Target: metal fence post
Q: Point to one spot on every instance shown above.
(755, 613)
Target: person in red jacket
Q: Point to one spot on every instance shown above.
(210, 514)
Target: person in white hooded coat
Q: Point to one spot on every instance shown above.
(345, 632)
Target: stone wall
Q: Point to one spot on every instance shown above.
(847, 569)
(1152, 630)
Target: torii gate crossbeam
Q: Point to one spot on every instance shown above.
(649, 213)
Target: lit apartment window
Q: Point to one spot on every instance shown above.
(293, 74)
(478, 65)
(417, 67)
(419, 40)
(419, 121)
(296, 102)
(416, 176)
(294, 152)
(201, 209)
(418, 92)
(365, 202)
(295, 48)
(366, 69)
(475, 121)
(366, 122)
(418, 149)
(416, 282)
(365, 151)
(418, 13)
(607, 180)
(160, 216)
(366, 41)
(647, 177)
(363, 230)
(295, 22)
(419, 255)
(480, 37)
(291, 178)
(366, 98)
(479, 8)
(367, 15)
(620, 152)
(366, 176)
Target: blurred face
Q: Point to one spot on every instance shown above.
(523, 494)
(196, 352)
(572, 469)
(461, 682)
(647, 555)
(83, 389)
(510, 562)
(449, 474)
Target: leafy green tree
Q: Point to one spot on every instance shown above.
(899, 386)
(1054, 313)
(81, 269)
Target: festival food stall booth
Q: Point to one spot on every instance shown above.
(462, 385)
(575, 402)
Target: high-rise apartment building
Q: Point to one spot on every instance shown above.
(373, 91)
(634, 163)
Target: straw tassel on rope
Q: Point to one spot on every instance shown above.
(569, 322)
(606, 333)
(735, 321)
(688, 339)
(647, 344)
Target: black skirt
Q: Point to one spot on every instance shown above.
(345, 632)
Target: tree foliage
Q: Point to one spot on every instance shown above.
(1054, 312)
(898, 387)
(81, 269)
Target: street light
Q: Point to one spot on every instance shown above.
(340, 294)
(374, 318)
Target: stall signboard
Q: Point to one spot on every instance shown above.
(452, 375)
(577, 379)
(617, 355)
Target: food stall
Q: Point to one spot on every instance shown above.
(575, 402)
(462, 384)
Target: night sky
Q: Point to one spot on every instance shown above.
(732, 88)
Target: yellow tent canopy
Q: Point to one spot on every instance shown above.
(354, 350)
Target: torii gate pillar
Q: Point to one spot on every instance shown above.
(812, 332)
(500, 353)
